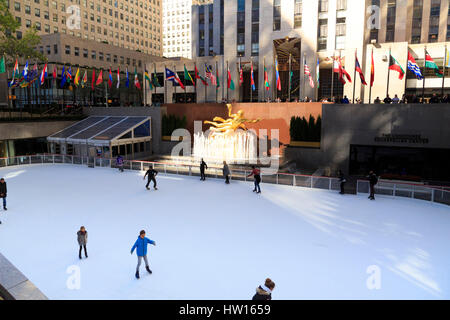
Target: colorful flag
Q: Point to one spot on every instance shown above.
(118, 78)
(447, 59)
(372, 72)
(55, 72)
(359, 70)
(84, 79)
(209, 75)
(136, 80)
(241, 76)
(76, 81)
(110, 78)
(277, 75)
(430, 64)
(230, 83)
(198, 76)
(318, 72)
(395, 66)
(147, 77)
(252, 80)
(187, 76)
(63, 77)
(25, 71)
(308, 73)
(173, 76)
(100, 78)
(93, 79)
(155, 79)
(15, 74)
(69, 74)
(43, 74)
(2, 65)
(414, 67)
(127, 81)
(217, 77)
(266, 79)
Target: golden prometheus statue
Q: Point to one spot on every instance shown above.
(234, 122)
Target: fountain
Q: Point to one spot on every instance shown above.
(228, 140)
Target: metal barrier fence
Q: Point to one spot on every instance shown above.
(397, 189)
(409, 190)
(297, 180)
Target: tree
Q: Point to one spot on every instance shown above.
(10, 45)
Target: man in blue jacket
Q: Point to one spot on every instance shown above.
(141, 250)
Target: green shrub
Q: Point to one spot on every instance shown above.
(305, 130)
(171, 123)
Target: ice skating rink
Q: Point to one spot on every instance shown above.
(217, 241)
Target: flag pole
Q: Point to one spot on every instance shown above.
(332, 77)
(251, 74)
(145, 88)
(443, 75)
(264, 77)
(165, 85)
(227, 81)
(423, 73)
(354, 76)
(217, 89)
(206, 89)
(240, 84)
(303, 85)
(185, 85)
(173, 83)
(370, 85)
(388, 73)
(195, 79)
(289, 75)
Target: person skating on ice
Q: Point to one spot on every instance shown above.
(256, 173)
(203, 166)
(119, 163)
(141, 250)
(82, 237)
(264, 292)
(226, 172)
(373, 180)
(342, 181)
(3, 192)
(151, 173)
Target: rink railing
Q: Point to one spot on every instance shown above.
(397, 189)
(409, 190)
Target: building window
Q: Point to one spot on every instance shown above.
(255, 27)
(341, 5)
(276, 15)
(374, 31)
(38, 26)
(100, 56)
(17, 6)
(93, 55)
(298, 13)
(55, 49)
(417, 21)
(323, 34)
(85, 53)
(67, 49)
(76, 51)
(390, 20)
(323, 5)
(240, 48)
(27, 9)
(37, 12)
(435, 12)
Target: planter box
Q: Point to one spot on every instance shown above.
(305, 144)
(169, 138)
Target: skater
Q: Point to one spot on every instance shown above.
(3, 191)
(82, 237)
(203, 166)
(141, 250)
(264, 292)
(257, 175)
(373, 180)
(151, 177)
(226, 172)
(342, 180)
(119, 163)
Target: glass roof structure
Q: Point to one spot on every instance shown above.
(104, 130)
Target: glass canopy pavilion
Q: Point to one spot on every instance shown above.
(104, 136)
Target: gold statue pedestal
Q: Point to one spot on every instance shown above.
(239, 147)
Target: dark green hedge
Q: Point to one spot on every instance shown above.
(305, 130)
(172, 122)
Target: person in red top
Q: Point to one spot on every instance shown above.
(256, 173)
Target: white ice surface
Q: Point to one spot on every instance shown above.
(217, 241)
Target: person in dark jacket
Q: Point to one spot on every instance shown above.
(373, 180)
(203, 166)
(3, 192)
(226, 172)
(342, 180)
(141, 250)
(82, 237)
(151, 173)
(256, 173)
(264, 292)
(119, 163)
